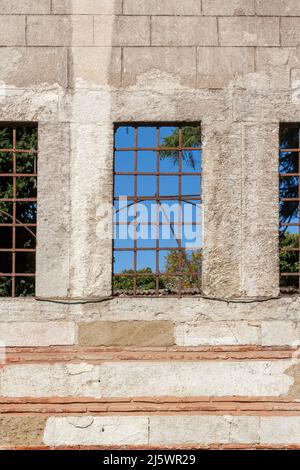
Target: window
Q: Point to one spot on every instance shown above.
(157, 206)
(18, 205)
(289, 203)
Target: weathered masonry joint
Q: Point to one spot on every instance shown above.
(149, 341)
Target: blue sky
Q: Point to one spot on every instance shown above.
(146, 186)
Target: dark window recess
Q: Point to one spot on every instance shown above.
(289, 204)
(157, 205)
(18, 205)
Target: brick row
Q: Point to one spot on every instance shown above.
(162, 405)
(54, 355)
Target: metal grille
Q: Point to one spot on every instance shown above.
(157, 172)
(289, 204)
(18, 205)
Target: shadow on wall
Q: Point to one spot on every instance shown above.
(99, 64)
(92, 70)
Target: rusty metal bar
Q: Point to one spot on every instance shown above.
(299, 210)
(135, 211)
(162, 198)
(153, 149)
(19, 151)
(14, 223)
(25, 175)
(157, 261)
(290, 199)
(163, 223)
(285, 248)
(18, 199)
(159, 272)
(178, 239)
(290, 274)
(154, 173)
(17, 250)
(286, 175)
(17, 275)
(285, 223)
(147, 248)
(14, 211)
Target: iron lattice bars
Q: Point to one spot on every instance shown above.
(18, 207)
(289, 207)
(157, 160)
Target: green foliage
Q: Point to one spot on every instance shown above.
(26, 187)
(5, 286)
(191, 137)
(191, 262)
(27, 138)
(142, 282)
(289, 260)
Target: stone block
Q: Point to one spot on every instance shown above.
(26, 7)
(278, 7)
(178, 63)
(184, 31)
(290, 31)
(122, 30)
(280, 430)
(33, 334)
(228, 7)
(216, 333)
(96, 430)
(95, 66)
(60, 30)
(87, 7)
(122, 333)
(188, 430)
(12, 30)
(53, 231)
(21, 430)
(165, 7)
(32, 66)
(217, 66)
(272, 57)
(280, 333)
(249, 31)
(260, 266)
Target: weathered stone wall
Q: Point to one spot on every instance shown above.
(81, 368)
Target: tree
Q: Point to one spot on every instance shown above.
(289, 260)
(126, 283)
(191, 137)
(190, 263)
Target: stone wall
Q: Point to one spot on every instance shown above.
(81, 368)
